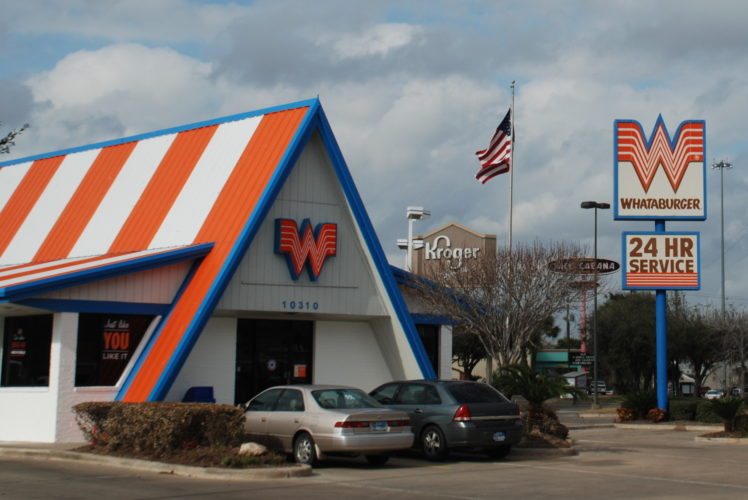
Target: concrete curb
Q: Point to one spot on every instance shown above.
(542, 452)
(597, 415)
(670, 427)
(590, 426)
(160, 467)
(720, 440)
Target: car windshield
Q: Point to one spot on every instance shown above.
(475, 393)
(344, 399)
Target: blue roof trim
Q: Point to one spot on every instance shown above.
(172, 130)
(241, 246)
(372, 242)
(431, 319)
(28, 290)
(96, 306)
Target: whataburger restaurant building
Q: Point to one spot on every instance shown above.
(232, 254)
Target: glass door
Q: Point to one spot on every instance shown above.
(271, 352)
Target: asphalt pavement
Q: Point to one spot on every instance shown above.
(611, 463)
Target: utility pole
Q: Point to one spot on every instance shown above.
(722, 165)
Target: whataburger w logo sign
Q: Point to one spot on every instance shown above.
(660, 177)
(304, 247)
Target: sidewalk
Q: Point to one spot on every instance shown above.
(64, 451)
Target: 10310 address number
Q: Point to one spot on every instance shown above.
(299, 305)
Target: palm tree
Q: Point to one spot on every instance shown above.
(727, 408)
(536, 388)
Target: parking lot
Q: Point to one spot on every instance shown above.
(612, 464)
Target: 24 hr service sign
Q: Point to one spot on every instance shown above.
(660, 177)
(658, 261)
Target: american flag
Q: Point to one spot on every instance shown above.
(497, 157)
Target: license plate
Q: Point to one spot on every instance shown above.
(379, 426)
(499, 436)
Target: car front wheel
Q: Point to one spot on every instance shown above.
(304, 451)
(433, 444)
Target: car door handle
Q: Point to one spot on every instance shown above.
(418, 410)
(296, 421)
(263, 419)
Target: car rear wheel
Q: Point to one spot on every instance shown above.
(497, 453)
(433, 444)
(377, 459)
(304, 451)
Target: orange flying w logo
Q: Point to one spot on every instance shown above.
(673, 155)
(305, 247)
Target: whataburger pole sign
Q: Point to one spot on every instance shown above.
(660, 178)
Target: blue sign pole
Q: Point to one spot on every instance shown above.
(661, 333)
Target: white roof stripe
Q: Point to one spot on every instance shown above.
(105, 260)
(48, 207)
(192, 206)
(10, 178)
(28, 267)
(122, 196)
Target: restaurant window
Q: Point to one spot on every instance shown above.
(106, 343)
(26, 346)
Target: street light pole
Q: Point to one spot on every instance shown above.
(603, 206)
(413, 214)
(722, 165)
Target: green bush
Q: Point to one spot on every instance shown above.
(159, 428)
(705, 413)
(683, 409)
(640, 402)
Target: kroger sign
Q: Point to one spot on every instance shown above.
(441, 248)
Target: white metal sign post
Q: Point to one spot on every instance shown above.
(660, 178)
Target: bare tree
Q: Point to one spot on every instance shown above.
(9, 139)
(504, 299)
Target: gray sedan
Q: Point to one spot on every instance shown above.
(455, 414)
(312, 421)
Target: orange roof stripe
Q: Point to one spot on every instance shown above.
(238, 200)
(163, 188)
(25, 197)
(84, 202)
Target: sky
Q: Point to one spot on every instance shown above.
(412, 89)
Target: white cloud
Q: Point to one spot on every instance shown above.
(378, 40)
(119, 89)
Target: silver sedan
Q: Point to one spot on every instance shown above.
(312, 421)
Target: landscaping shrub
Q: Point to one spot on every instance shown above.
(705, 413)
(683, 409)
(159, 428)
(640, 402)
(656, 415)
(625, 414)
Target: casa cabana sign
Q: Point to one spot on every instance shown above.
(584, 265)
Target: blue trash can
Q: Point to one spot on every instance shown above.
(201, 394)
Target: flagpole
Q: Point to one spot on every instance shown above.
(511, 172)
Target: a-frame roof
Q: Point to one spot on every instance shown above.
(206, 183)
